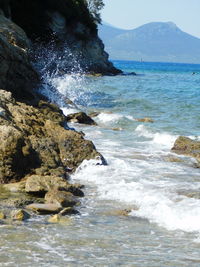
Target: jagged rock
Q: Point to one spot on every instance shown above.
(44, 208)
(34, 141)
(145, 120)
(81, 117)
(62, 198)
(16, 73)
(42, 184)
(20, 215)
(186, 146)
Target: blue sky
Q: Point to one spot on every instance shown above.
(129, 14)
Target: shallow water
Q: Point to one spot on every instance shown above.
(163, 228)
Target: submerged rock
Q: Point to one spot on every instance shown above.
(57, 218)
(81, 117)
(186, 146)
(2, 215)
(20, 215)
(145, 120)
(44, 208)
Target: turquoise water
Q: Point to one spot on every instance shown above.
(163, 226)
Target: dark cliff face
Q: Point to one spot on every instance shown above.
(68, 23)
(35, 16)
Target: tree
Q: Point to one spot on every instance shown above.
(95, 7)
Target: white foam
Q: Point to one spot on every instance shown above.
(109, 117)
(164, 139)
(157, 200)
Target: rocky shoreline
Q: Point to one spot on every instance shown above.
(38, 151)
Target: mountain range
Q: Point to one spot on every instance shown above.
(155, 41)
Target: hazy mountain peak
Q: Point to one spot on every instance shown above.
(154, 41)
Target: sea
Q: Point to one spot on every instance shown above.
(157, 190)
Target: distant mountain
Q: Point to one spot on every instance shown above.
(156, 41)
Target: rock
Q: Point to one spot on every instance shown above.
(57, 218)
(81, 117)
(16, 72)
(2, 215)
(20, 215)
(145, 120)
(15, 187)
(94, 114)
(13, 162)
(62, 198)
(68, 211)
(18, 201)
(39, 185)
(117, 129)
(73, 30)
(44, 208)
(34, 141)
(171, 158)
(42, 184)
(190, 193)
(186, 146)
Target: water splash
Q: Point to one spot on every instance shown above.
(61, 74)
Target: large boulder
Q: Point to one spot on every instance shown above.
(16, 72)
(186, 146)
(33, 140)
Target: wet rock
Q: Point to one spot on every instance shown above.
(186, 146)
(94, 114)
(145, 120)
(44, 208)
(57, 218)
(117, 129)
(2, 215)
(124, 212)
(190, 193)
(171, 158)
(60, 198)
(81, 117)
(20, 215)
(68, 211)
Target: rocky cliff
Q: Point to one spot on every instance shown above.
(70, 25)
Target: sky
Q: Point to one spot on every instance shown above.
(129, 14)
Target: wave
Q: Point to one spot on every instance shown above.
(154, 200)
